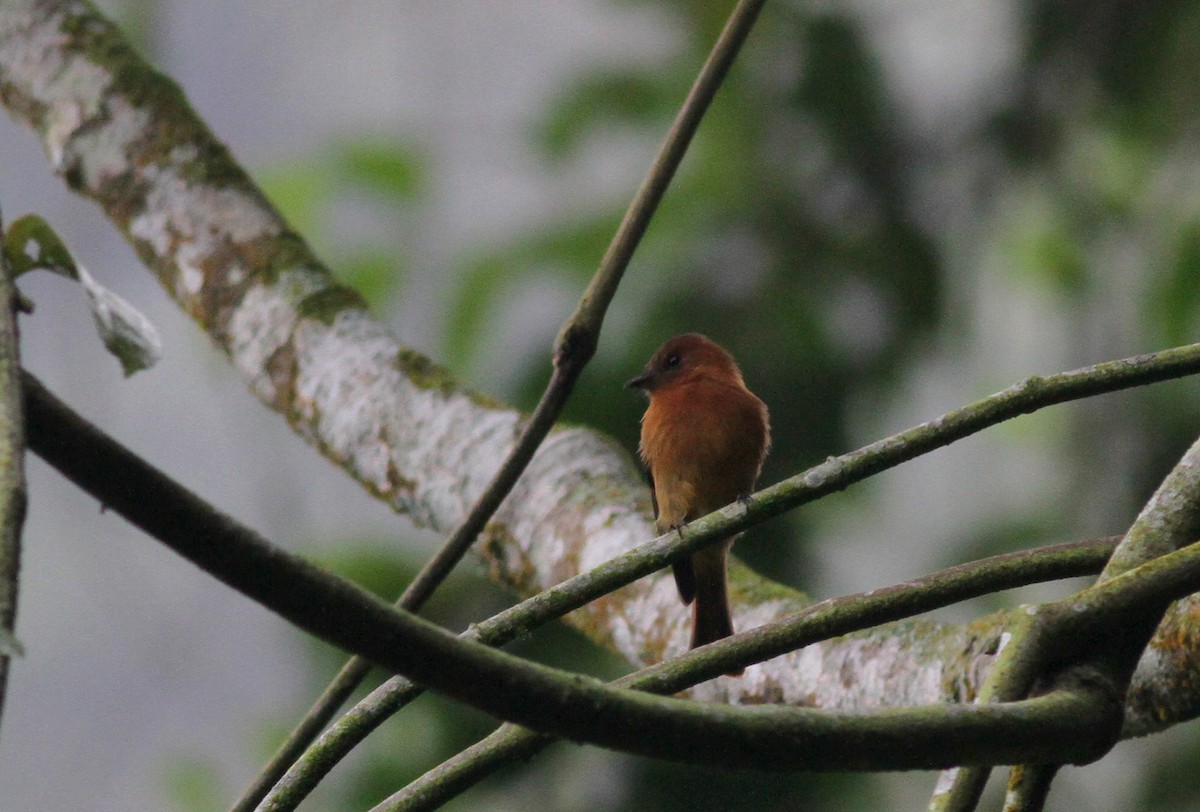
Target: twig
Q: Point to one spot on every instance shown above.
(1032, 394)
(12, 469)
(574, 347)
(1028, 788)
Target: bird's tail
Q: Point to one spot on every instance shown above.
(711, 618)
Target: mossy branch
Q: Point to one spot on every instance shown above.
(1044, 641)
(820, 621)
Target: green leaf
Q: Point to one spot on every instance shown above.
(31, 244)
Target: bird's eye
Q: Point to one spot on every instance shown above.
(672, 360)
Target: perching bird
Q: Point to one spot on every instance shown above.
(704, 438)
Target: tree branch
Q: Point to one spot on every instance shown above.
(1028, 788)
(1044, 645)
(12, 469)
(814, 623)
(1068, 628)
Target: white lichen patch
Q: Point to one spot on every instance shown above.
(202, 212)
(1005, 639)
(553, 506)
(181, 154)
(472, 442)
(187, 222)
(392, 433)
(846, 673)
(191, 279)
(945, 782)
(612, 531)
(236, 275)
(644, 612)
(67, 83)
(263, 322)
(460, 446)
(820, 474)
(62, 122)
(348, 392)
(103, 151)
(189, 259)
(873, 664)
(538, 509)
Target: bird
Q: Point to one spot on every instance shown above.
(704, 437)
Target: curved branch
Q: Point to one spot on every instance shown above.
(1046, 643)
(1069, 626)
(511, 743)
(820, 621)
(1068, 723)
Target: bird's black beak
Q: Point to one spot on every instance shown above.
(639, 382)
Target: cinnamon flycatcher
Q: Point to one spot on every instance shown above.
(704, 437)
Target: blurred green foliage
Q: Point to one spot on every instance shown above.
(194, 783)
(320, 196)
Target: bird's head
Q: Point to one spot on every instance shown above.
(686, 358)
